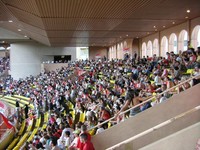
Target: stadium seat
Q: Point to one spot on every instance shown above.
(14, 142)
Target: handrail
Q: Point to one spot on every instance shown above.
(148, 100)
(155, 127)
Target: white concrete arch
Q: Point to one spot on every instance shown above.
(183, 40)
(121, 55)
(149, 48)
(173, 43)
(195, 38)
(164, 46)
(125, 44)
(155, 47)
(144, 49)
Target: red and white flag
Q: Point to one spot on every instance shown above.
(6, 121)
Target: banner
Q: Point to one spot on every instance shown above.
(80, 72)
(6, 121)
(126, 49)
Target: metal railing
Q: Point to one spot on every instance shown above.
(155, 127)
(148, 100)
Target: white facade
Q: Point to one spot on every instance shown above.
(26, 57)
(82, 53)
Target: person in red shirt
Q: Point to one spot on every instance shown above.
(87, 144)
(80, 145)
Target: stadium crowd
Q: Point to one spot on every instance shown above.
(99, 90)
(4, 63)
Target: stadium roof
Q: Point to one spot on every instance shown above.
(92, 22)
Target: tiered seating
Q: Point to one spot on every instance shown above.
(21, 142)
(14, 142)
(23, 139)
(22, 129)
(45, 122)
(30, 127)
(37, 125)
(21, 97)
(31, 131)
(32, 134)
(13, 102)
(22, 101)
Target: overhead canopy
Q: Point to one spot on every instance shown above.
(92, 22)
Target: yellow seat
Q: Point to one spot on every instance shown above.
(32, 135)
(30, 126)
(82, 117)
(109, 124)
(152, 82)
(14, 142)
(38, 122)
(92, 132)
(23, 125)
(46, 117)
(22, 97)
(44, 126)
(112, 81)
(190, 71)
(73, 114)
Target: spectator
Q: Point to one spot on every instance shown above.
(87, 145)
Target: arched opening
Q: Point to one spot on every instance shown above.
(195, 38)
(126, 50)
(149, 49)
(183, 41)
(164, 46)
(144, 49)
(125, 44)
(115, 51)
(173, 44)
(110, 53)
(118, 47)
(121, 51)
(155, 47)
(118, 50)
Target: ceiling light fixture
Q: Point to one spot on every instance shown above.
(127, 35)
(10, 21)
(173, 22)
(19, 30)
(154, 26)
(188, 11)
(163, 26)
(186, 17)
(25, 36)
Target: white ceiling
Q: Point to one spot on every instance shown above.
(92, 22)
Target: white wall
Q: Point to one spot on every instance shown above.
(82, 53)
(47, 58)
(26, 57)
(185, 139)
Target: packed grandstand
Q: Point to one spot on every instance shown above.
(60, 108)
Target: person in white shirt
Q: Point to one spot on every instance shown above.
(67, 128)
(157, 80)
(65, 141)
(75, 141)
